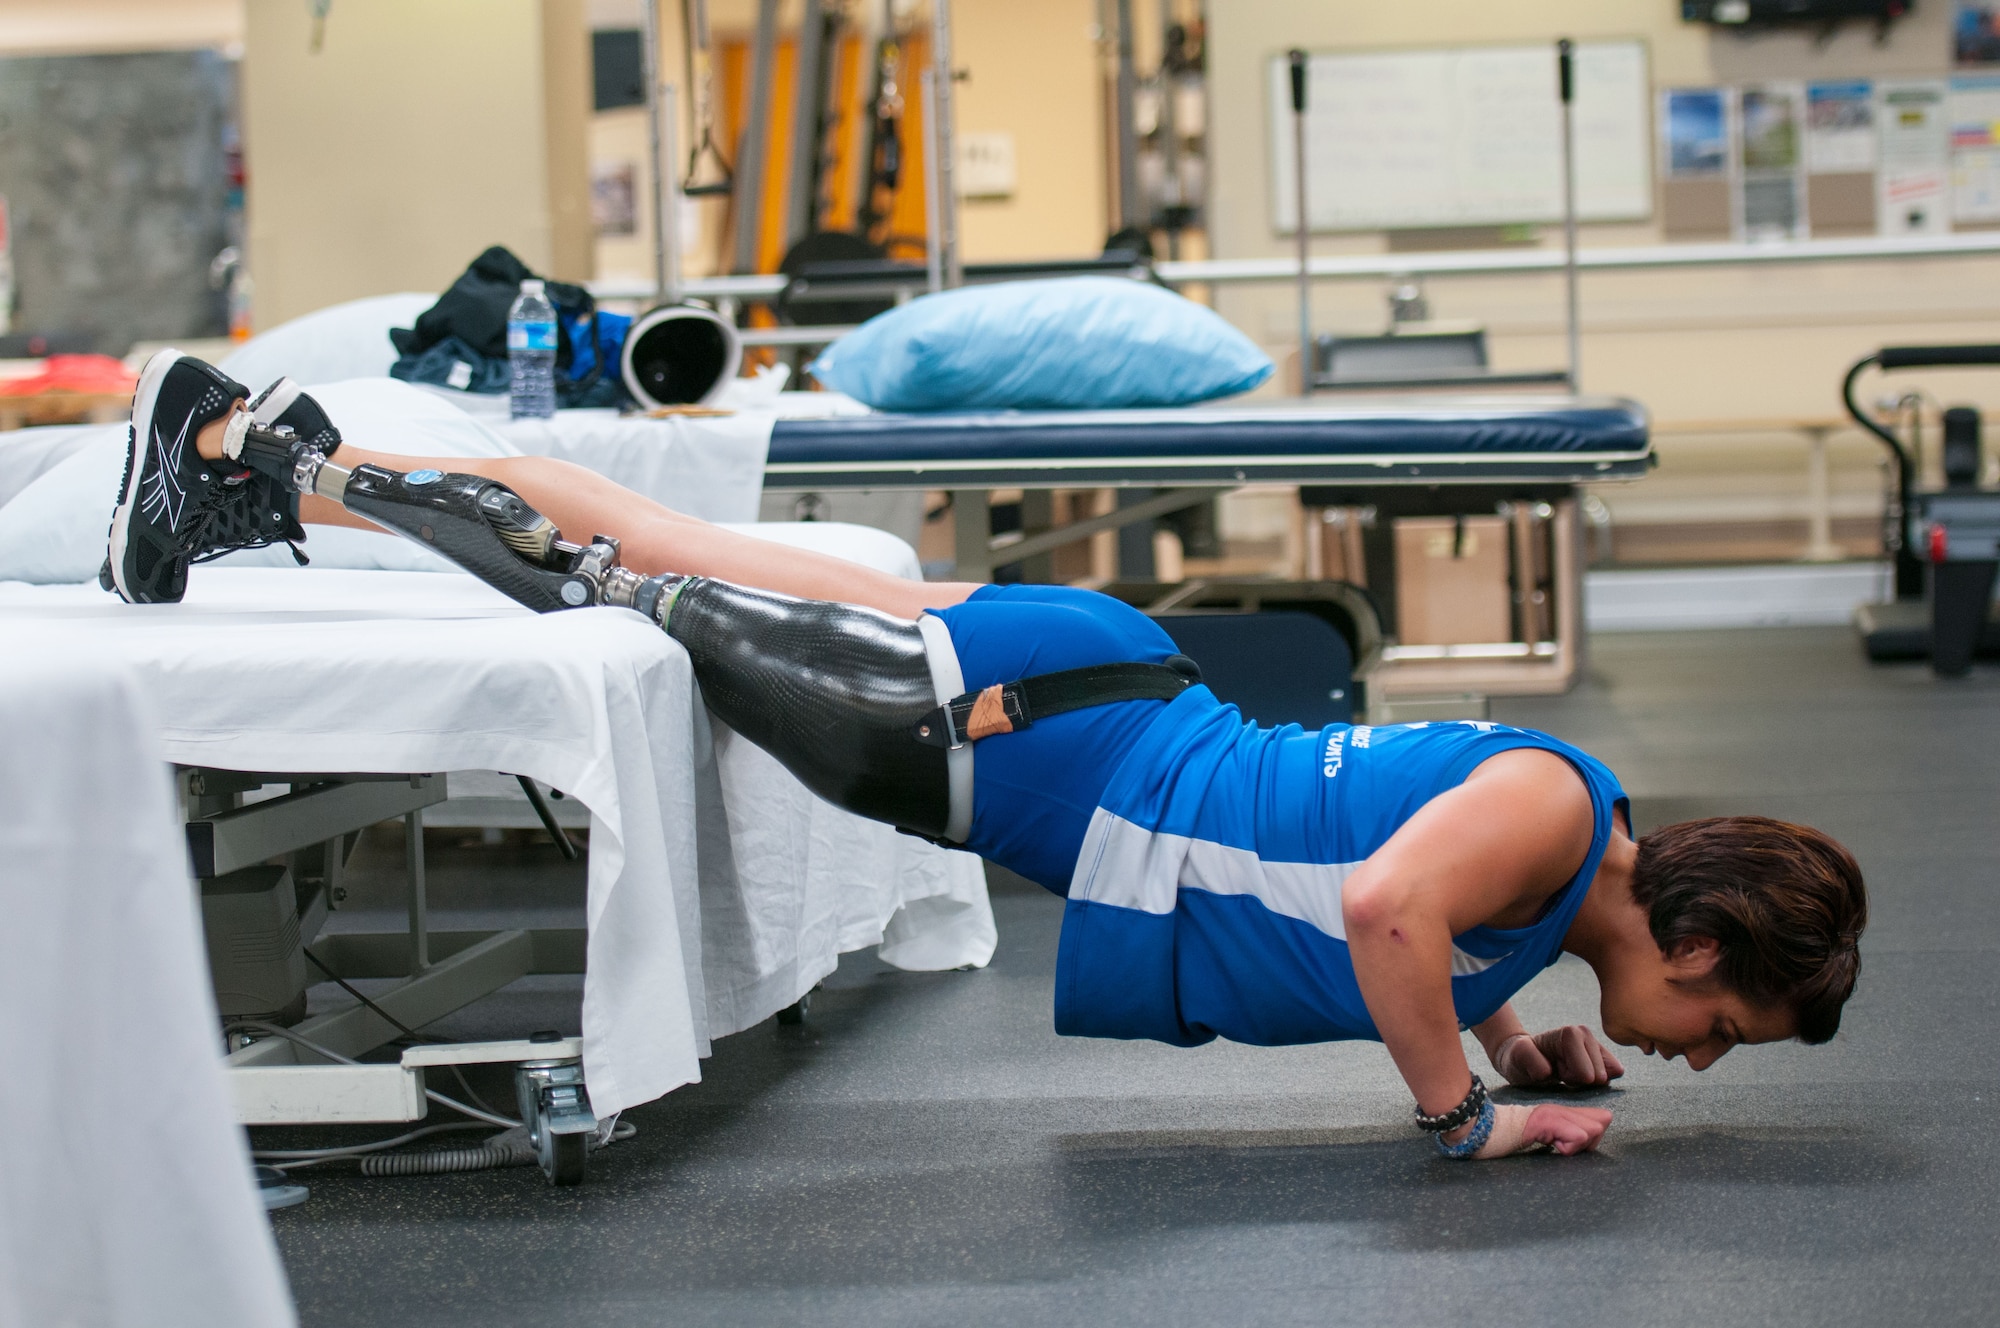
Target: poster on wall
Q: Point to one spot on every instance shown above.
(1975, 33)
(614, 198)
(1696, 129)
(1975, 149)
(1914, 141)
(1840, 127)
(1695, 125)
(1771, 160)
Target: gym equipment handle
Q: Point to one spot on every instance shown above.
(1298, 59)
(1929, 357)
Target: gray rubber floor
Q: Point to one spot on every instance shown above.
(925, 1150)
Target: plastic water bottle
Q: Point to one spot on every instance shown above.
(531, 352)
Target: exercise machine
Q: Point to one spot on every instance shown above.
(1945, 543)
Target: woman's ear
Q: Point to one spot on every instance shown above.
(1693, 958)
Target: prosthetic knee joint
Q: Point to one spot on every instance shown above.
(837, 694)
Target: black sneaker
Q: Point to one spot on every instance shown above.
(171, 494)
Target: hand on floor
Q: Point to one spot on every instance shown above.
(1566, 1057)
(1566, 1131)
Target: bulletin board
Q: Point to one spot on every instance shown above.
(1462, 136)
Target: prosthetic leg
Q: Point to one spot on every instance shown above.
(869, 711)
(836, 693)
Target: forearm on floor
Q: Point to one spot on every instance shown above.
(1402, 962)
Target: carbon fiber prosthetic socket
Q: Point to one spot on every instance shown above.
(833, 692)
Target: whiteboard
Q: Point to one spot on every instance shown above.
(1468, 136)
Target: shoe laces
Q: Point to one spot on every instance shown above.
(203, 543)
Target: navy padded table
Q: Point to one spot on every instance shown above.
(1372, 440)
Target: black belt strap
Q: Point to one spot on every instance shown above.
(1011, 707)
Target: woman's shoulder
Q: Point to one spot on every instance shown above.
(1540, 778)
(1548, 800)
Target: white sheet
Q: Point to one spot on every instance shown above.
(706, 466)
(28, 454)
(719, 891)
(125, 1190)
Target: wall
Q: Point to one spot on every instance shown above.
(419, 135)
(1698, 345)
(90, 27)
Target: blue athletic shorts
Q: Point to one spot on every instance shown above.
(1034, 791)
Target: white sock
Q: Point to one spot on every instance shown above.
(232, 434)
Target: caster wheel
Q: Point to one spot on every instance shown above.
(795, 1013)
(564, 1160)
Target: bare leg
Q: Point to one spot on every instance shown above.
(653, 538)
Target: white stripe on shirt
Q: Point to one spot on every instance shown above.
(1128, 866)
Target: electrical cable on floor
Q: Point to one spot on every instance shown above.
(509, 1148)
(292, 1159)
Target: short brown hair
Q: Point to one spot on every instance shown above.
(1785, 903)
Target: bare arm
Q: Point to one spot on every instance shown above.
(1490, 851)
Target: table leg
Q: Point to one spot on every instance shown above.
(972, 518)
(413, 869)
(1820, 547)
(1037, 517)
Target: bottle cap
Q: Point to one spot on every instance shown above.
(532, 286)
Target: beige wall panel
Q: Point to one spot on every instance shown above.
(1034, 74)
(419, 135)
(566, 83)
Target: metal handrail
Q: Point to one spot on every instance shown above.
(1504, 262)
(1470, 262)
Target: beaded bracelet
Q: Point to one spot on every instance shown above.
(1468, 1107)
(1468, 1147)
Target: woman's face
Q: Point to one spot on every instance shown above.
(1673, 1007)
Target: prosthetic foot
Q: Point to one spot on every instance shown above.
(845, 698)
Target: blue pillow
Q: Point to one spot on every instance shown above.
(1066, 343)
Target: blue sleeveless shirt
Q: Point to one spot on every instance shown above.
(1205, 902)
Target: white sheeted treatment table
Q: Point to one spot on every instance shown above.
(126, 1196)
(719, 890)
